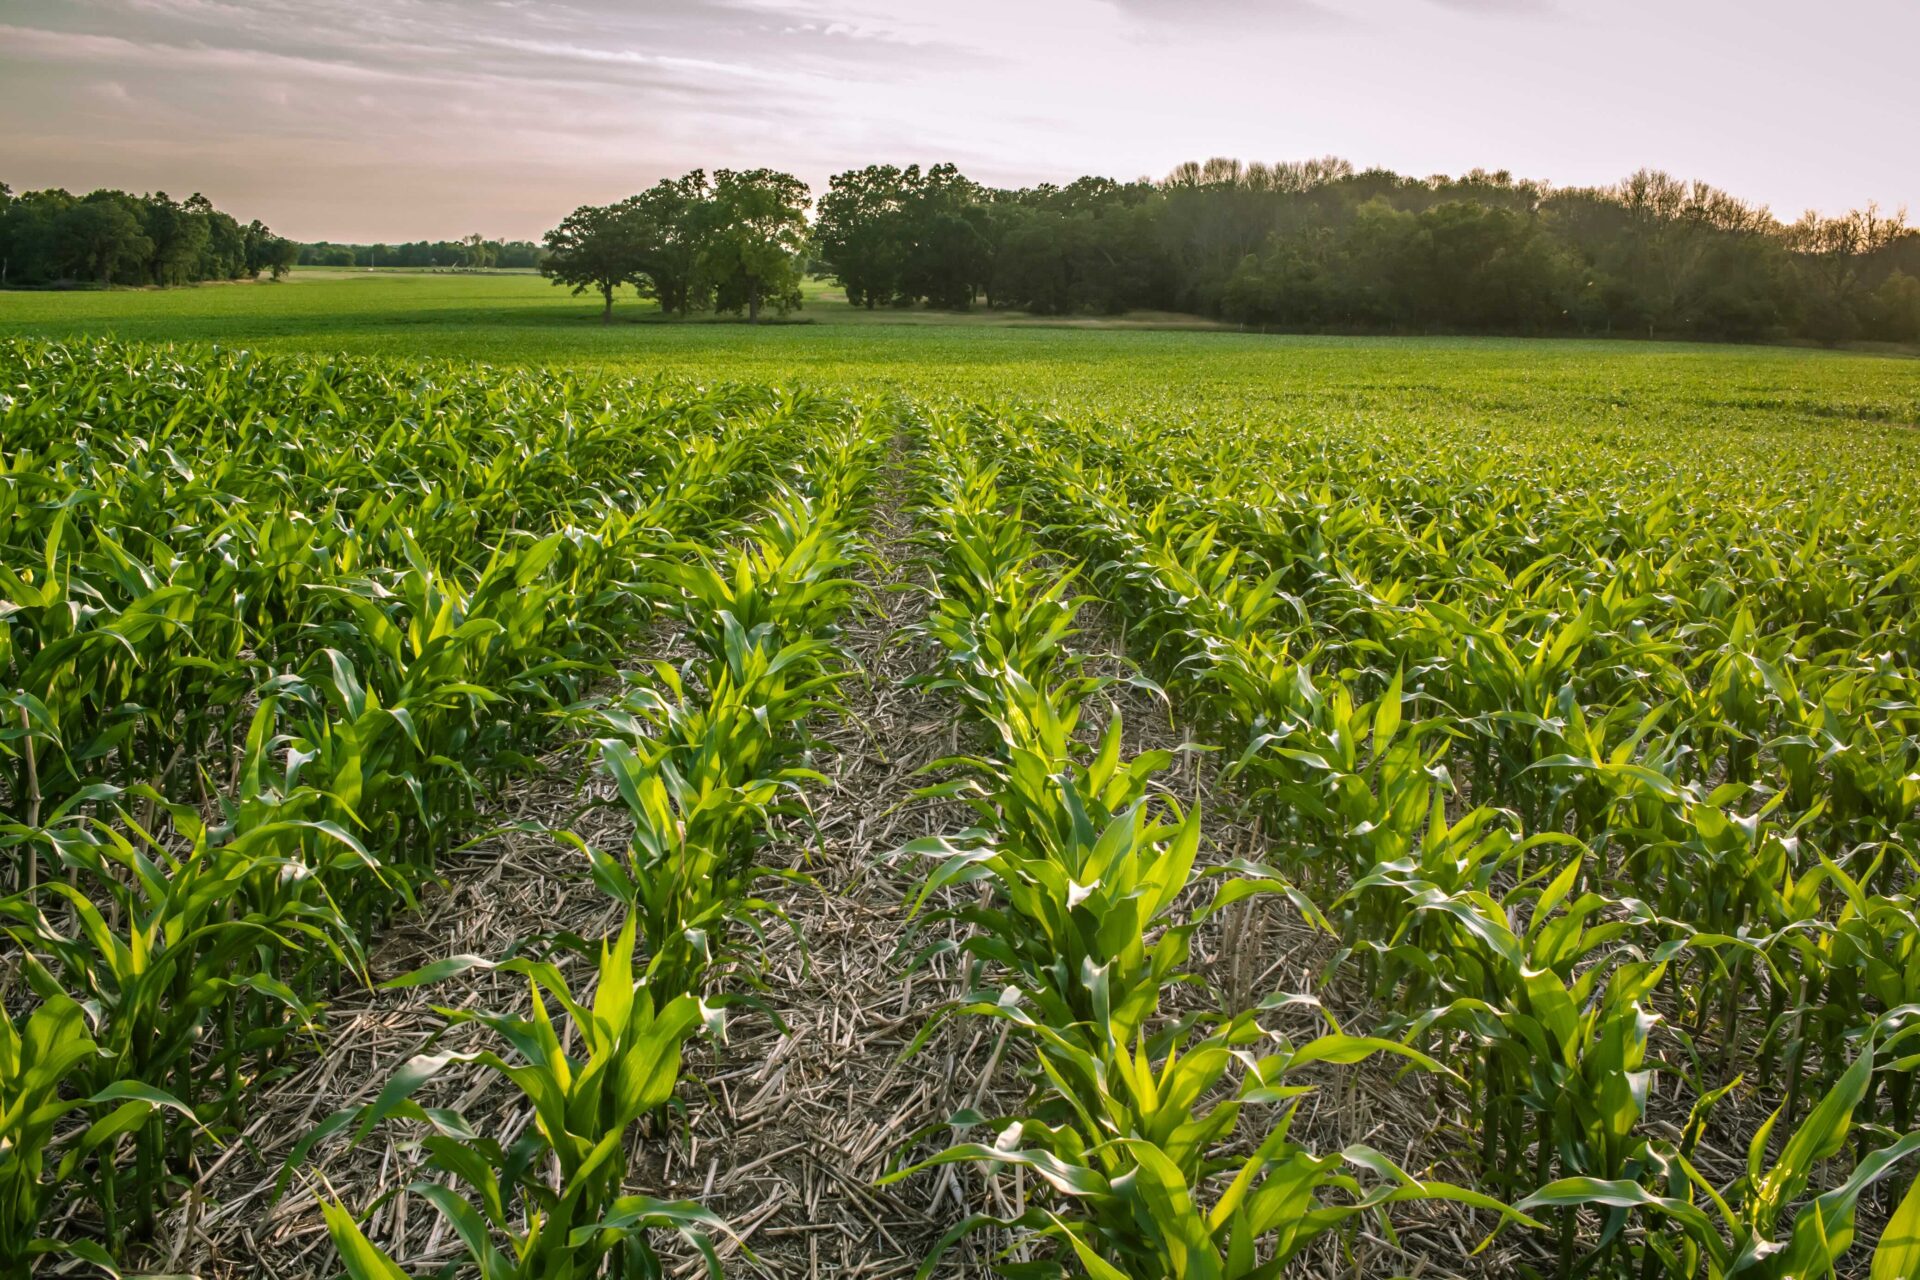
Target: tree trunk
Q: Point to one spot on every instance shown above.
(606, 291)
(753, 302)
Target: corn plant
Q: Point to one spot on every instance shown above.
(707, 766)
(553, 1202)
(1135, 1143)
(42, 1064)
(703, 802)
(1744, 1230)
(302, 611)
(1083, 919)
(174, 953)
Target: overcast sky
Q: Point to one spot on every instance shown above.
(405, 119)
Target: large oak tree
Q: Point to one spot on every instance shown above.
(755, 237)
(595, 247)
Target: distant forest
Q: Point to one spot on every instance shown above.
(112, 237)
(1309, 245)
(474, 252)
(1318, 245)
(1313, 245)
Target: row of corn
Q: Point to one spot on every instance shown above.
(1509, 768)
(274, 630)
(708, 762)
(1158, 1141)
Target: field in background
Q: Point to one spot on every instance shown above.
(1696, 397)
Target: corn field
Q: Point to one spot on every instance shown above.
(1579, 787)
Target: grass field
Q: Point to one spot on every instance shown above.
(1548, 863)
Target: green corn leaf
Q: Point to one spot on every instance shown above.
(438, 971)
(364, 1260)
(1897, 1257)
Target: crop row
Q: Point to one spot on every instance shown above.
(1161, 1143)
(1626, 877)
(708, 761)
(274, 631)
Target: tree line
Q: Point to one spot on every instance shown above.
(1319, 245)
(113, 237)
(1311, 245)
(470, 253)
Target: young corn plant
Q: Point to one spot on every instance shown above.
(1129, 1140)
(785, 583)
(43, 1062)
(704, 797)
(1744, 1231)
(551, 1204)
(706, 768)
(175, 952)
(395, 573)
(1717, 711)
(1084, 883)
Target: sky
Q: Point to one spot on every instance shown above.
(372, 120)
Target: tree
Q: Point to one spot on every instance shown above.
(862, 233)
(325, 254)
(512, 253)
(282, 256)
(595, 247)
(6, 231)
(668, 222)
(224, 254)
(113, 237)
(901, 235)
(755, 229)
(179, 237)
(100, 237)
(477, 252)
(30, 238)
(1833, 253)
(1313, 244)
(948, 255)
(256, 245)
(1893, 313)
(1745, 288)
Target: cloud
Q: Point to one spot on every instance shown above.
(49, 47)
(1525, 8)
(402, 118)
(550, 102)
(617, 57)
(1264, 16)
